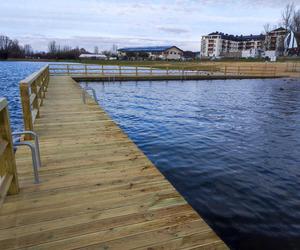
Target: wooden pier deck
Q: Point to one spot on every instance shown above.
(97, 190)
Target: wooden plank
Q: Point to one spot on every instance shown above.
(32, 98)
(34, 114)
(5, 183)
(26, 106)
(97, 188)
(3, 146)
(3, 103)
(7, 156)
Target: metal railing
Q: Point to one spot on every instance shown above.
(85, 91)
(34, 147)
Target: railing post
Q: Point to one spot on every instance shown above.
(167, 71)
(47, 78)
(68, 70)
(120, 70)
(85, 69)
(102, 68)
(265, 72)
(35, 103)
(7, 163)
(43, 79)
(27, 116)
(150, 71)
(136, 71)
(225, 70)
(43, 82)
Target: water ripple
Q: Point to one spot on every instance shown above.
(11, 73)
(230, 147)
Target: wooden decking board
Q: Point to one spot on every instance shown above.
(97, 190)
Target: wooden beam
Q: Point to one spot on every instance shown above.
(7, 157)
(5, 182)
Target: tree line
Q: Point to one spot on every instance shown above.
(13, 49)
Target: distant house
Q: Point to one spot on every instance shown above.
(275, 40)
(157, 52)
(189, 55)
(93, 56)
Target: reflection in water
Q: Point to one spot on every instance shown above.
(230, 147)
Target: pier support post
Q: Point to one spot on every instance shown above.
(25, 97)
(8, 169)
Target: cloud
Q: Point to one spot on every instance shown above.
(173, 30)
(104, 42)
(131, 22)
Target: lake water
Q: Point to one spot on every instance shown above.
(11, 73)
(232, 148)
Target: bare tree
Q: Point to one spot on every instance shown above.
(28, 50)
(96, 50)
(296, 21)
(66, 48)
(107, 53)
(267, 28)
(4, 42)
(287, 15)
(52, 47)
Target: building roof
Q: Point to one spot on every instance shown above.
(148, 49)
(279, 29)
(92, 55)
(240, 38)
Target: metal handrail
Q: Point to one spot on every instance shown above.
(86, 89)
(35, 150)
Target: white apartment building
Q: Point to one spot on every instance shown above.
(223, 45)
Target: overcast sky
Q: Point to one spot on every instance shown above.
(102, 23)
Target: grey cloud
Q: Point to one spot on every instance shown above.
(173, 30)
(104, 43)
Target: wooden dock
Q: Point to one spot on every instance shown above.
(97, 189)
(92, 72)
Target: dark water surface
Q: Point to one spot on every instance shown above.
(11, 73)
(232, 148)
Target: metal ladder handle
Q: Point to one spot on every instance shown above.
(84, 90)
(34, 158)
(36, 142)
